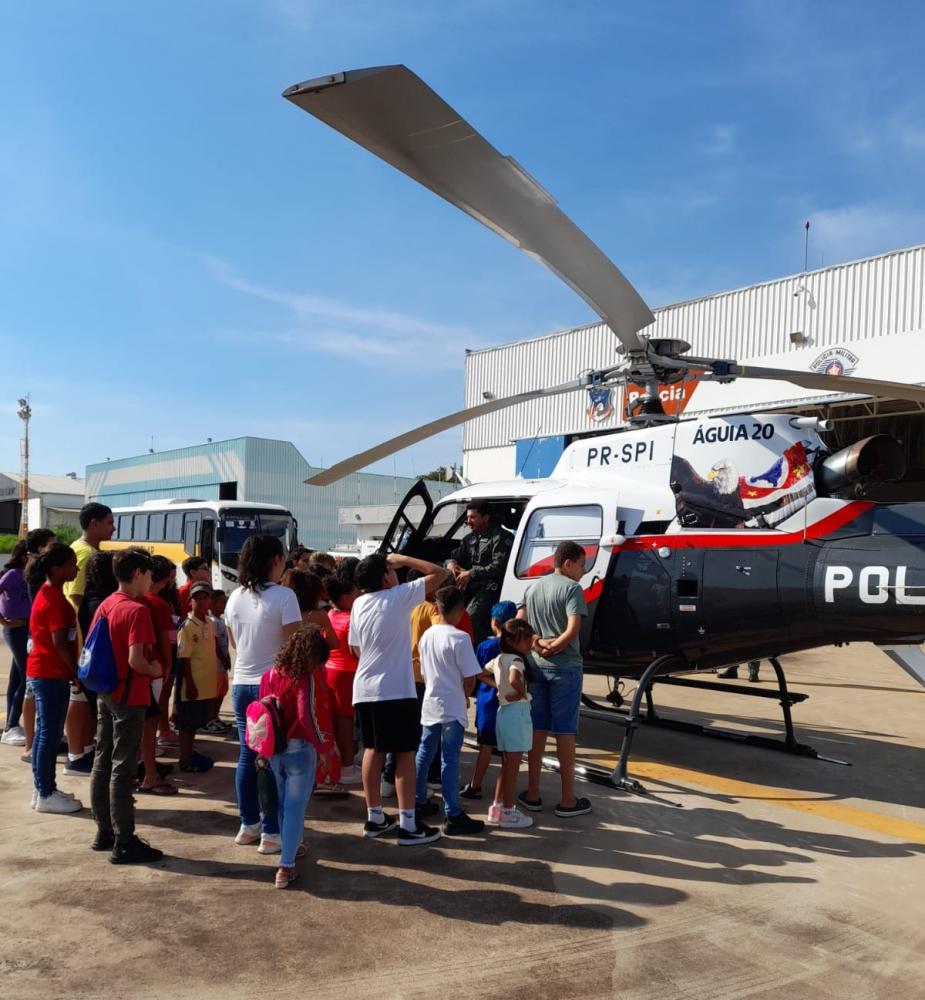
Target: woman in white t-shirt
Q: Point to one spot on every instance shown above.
(260, 616)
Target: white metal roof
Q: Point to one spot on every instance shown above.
(40, 483)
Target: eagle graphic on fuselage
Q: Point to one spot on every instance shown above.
(713, 502)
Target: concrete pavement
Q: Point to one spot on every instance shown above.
(778, 877)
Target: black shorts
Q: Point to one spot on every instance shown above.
(390, 726)
(193, 714)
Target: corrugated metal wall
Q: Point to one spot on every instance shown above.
(266, 471)
(868, 298)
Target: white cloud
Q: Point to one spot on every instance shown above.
(861, 230)
(369, 335)
(721, 141)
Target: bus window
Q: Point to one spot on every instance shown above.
(140, 528)
(173, 528)
(156, 527)
(124, 531)
(191, 524)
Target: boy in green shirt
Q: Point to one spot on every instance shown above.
(555, 606)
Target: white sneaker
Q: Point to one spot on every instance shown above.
(386, 789)
(269, 844)
(58, 803)
(513, 819)
(494, 813)
(248, 835)
(15, 736)
(58, 791)
(351, 776)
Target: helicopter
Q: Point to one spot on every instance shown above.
(709, 541)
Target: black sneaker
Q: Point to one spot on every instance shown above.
(428, 808)
(105, 840)
(462, 825)
(371, 829)
(534, 805)
(470, 793)
(134, 852)
(83, 765)
(422, 835)
(581, 807)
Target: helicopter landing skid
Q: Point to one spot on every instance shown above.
(664, 665)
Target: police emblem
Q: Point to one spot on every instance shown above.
(600, 404)
(835, 361)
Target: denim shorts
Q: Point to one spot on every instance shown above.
(30, 690)
(556, 693)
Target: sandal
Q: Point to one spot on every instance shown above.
(161, 788)
(337, 789)
(285, 877)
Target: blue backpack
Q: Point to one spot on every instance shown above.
(96, 667)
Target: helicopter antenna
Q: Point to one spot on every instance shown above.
(536, 437)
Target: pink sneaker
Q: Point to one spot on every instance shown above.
(494, 813)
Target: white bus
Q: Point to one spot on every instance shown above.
(213, 529)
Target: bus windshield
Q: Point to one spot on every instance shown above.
(240, 525)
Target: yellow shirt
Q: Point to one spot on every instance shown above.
(196, 643)
(422, 617)
(77, 587)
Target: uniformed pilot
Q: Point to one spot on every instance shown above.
(478, 565)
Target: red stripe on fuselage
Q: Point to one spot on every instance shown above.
(749, 539)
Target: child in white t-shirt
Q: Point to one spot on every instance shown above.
(513, 726)
(449, 669)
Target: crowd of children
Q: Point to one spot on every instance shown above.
(321, 649)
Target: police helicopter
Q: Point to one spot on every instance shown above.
(708, 541)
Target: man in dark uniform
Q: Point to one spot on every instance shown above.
(478, 565)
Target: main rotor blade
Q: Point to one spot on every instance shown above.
(409, 438)
(837, 383)
(394, 114)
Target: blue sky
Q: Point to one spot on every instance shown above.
(184, 254)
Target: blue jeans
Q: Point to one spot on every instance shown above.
(295, 778)
(451, 734)
(16, 639)
(245, 777)
(51, 701)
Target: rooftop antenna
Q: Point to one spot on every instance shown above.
(806, 247)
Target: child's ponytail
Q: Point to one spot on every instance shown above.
(514, 632)
(57, 554)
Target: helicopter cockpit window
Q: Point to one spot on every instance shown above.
(550, 525)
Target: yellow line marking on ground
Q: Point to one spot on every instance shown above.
(806, 802)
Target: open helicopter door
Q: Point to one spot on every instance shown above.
(557, 516)
(411, 522)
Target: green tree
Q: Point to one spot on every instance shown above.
(66, 533)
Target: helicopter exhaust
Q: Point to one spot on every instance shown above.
(877, 459)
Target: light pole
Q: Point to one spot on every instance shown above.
(25, 413)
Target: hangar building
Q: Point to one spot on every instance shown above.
(249, 468)
(866, 318)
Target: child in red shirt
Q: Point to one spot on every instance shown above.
(308, 734)
(340, 670)
(52, 665)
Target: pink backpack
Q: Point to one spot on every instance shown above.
(265, 732)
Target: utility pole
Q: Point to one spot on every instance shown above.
(25, 413)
